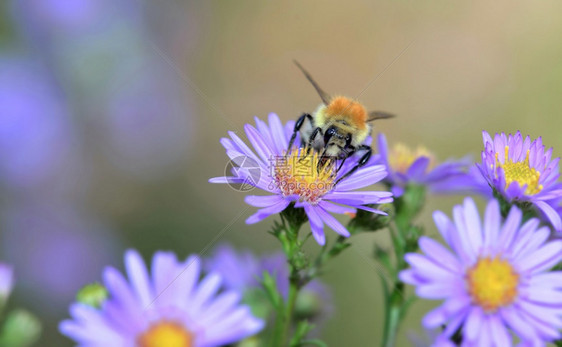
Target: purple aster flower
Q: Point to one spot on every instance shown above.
(420, 166)
(523, 171)
(495, 280)
(171, 307)
(292, 176)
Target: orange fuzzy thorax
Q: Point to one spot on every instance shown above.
(351, 110)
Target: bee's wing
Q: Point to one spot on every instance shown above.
(374, 115)
(323, 95)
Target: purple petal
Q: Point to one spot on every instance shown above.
(316, 225)
(542, 259)
(473, 324)
(261, 147)
(244, 149)
(397, 191)
(551, 214)
(444, 225)
(463, 233)
(278, 133)
(545, 296)
(363, 178)
(428, 269)
(519, 325)
(435, 318)
(486, 137)
(439, 254)
(138, 276)
(330, 207)
(372, 210)
(499, 333)
(409, 276)
(473, 224)
(526, 245)
(438, 290)
(492, 223)
(418, 168)
(383, 148)
(231, 180)
(332, 222)
(263, 201)
(547, 280)
(358, 198)
(205, 291)
(510, 227)
(263, 213)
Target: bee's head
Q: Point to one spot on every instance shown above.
(335, 141)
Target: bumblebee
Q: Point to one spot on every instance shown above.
(337, 129)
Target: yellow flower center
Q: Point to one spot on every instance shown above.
(521, 173)
(401, 157)
(492, 283)
(308, 176)
(166, 334)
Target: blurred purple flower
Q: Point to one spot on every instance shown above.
(278, 170)
(419, 166)
(6, 280)
(146, 125)
(53, 248)
(36, 140)
(134, 101)
(243, 271)
(495, 279)
(523, 171)
(171, 304)
(63, 15)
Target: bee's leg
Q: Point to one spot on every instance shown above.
(347, 155)
(311, 139)
(362, 161)
(297, 128)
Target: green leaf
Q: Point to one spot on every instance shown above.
(383, 256)
(409, 205)
(270, 286)
(21, 329)
(406, 306)
(365, 221)
(92, 295)
(303, 328)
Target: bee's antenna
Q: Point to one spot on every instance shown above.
(323, 95)
(379, 115)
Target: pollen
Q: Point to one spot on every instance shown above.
(520, 172)
(492, 283)
(401, 157)
(166, 334)
(307, 176)
(349, 109)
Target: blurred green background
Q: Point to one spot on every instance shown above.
(111, 114)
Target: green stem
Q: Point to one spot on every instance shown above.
(291, 300)
(292, 220)
(393, 315)
(405, 239)
(278, 331)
